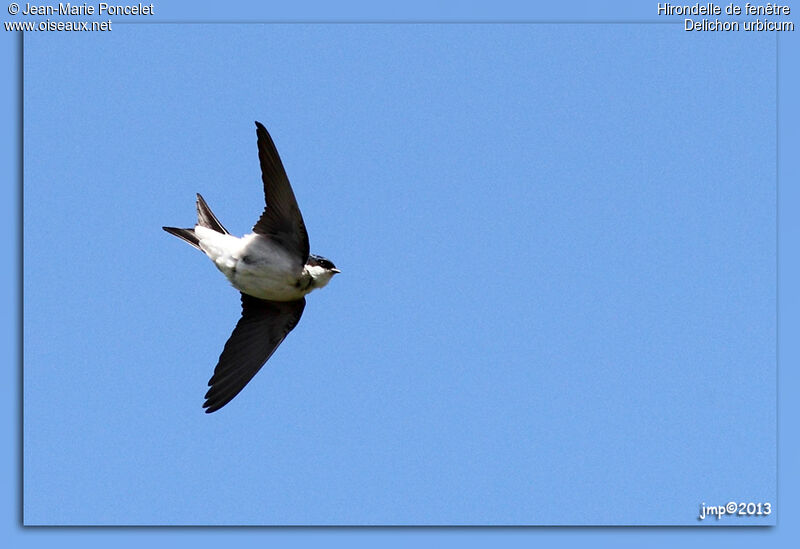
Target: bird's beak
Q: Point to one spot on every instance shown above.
(334, 271)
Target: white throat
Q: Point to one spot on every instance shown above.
(319, 275)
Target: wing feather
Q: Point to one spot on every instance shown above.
(260, 330)
(281, 221)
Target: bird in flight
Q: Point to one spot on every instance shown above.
(272, 269)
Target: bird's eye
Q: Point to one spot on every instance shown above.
(321, 262)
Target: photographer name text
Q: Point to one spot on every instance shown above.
(68, 8)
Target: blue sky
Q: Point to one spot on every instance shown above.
(558, 283)
(572, 319)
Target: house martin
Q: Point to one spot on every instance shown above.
(271, 268)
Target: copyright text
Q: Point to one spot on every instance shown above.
(68, 8)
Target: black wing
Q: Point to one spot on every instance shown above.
(281, 221)
(263, 326)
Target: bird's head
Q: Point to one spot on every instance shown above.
(320, 269)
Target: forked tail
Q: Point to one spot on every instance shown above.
(205, 218)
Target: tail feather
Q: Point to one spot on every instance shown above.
(184, 234)
(206, 218)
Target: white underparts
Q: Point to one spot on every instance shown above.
(258, 267)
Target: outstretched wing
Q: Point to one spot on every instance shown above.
(263, 326)
(281, 221)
